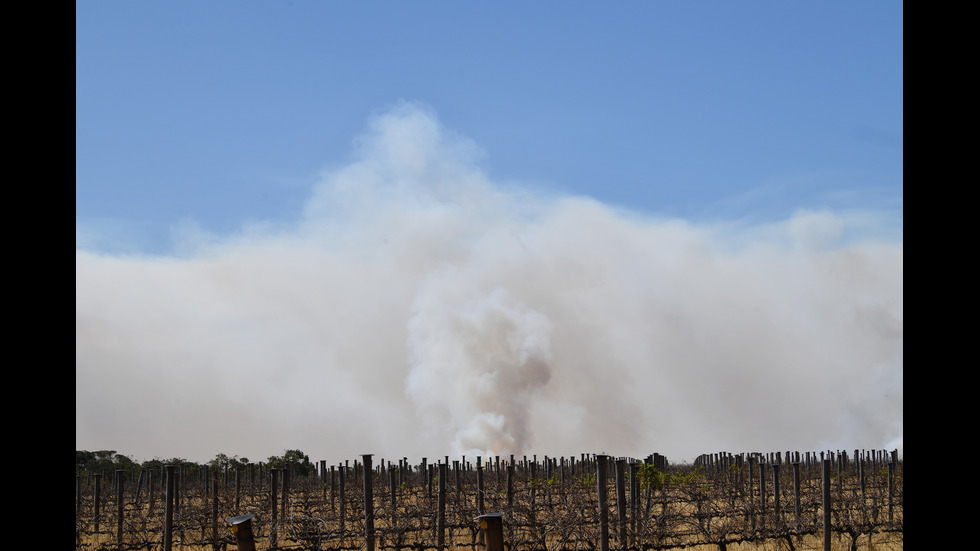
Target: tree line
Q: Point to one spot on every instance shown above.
(106, 461)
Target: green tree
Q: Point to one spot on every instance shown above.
(102, 461)
(294, 460)
(222, 462)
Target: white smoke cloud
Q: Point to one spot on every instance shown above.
(419, 309)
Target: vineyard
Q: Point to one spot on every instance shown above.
(721, 501)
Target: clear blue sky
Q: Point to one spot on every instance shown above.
(224, 112)
(543, 227)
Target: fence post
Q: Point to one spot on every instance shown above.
(341, 490)
(603, 506)
(621, 500)
(368, 502)
(826, 505)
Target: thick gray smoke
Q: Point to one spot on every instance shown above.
(419, 309)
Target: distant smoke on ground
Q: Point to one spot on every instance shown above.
(420, 309)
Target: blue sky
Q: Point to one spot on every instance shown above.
(550, 228)
(225, 113)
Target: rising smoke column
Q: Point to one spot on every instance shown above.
(477, 360)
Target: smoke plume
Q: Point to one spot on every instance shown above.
(418, 308)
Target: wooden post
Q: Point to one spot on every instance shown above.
(603, 505)
(492, 527)
(368, 503)
(621, 500)
(342, 485)
(826, 505)
(241, 526)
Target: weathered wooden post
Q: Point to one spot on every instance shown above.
(603, 505)
(368, 502)
(241, 526)
(492, 527)
(826, 505)
(341, 489)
